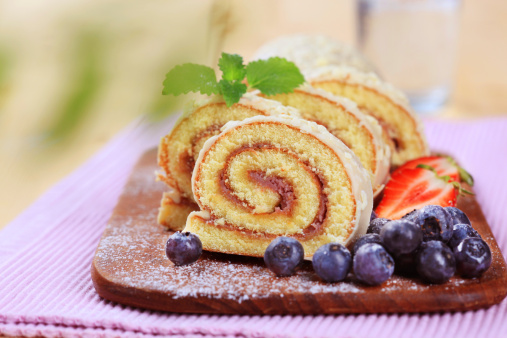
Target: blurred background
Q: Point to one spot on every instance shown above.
(74, 73)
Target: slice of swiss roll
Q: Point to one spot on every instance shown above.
(309, 52)
(269, 176)
(342, 118)
(382, 101)
(178, 151)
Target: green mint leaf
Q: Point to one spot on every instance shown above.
(190, 77)
(231, 91)
(232, 67)
(273, 76)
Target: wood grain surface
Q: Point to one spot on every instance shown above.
(130, 267)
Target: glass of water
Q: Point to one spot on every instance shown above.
(413, 44)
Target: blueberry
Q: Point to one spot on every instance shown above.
(332, 262)
(460, 232)
(373, 215)
(372, 264)
(457, 216)
(435, 262)
(473, 257)
(435, 223)
(376, 225)
(411, 216)
(401, 236)
(283, 255)
(368, 238)
(183, 248)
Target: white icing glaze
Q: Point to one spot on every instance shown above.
(358, 175)
(309, 52)
(383, 151)
(251, 100)
(269, 107)
(370, 80)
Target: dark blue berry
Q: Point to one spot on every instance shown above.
(473, 257)
(376, 225)
(460, 232)
(368, 238)
(372, 264)
(457, 216)
(283, 255)
(332, 262)
(183, 248)
(435, 223)
(401, 236)
(373, 215)
(435, 262)
(411, 216)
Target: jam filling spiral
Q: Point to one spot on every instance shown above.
(287, 197)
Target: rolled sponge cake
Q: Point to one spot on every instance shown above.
(269, 176)
(374, 97)
(342, 118)
(309, 52)
(179, 150)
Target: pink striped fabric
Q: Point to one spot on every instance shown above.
(45, 255)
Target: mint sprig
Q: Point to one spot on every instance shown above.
(231, 91)
(272, 76)
(232, 67)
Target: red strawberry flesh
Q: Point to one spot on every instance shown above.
(413, 188)
(442, 165)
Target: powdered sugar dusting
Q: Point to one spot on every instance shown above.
(133, 255)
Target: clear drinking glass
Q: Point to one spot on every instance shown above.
(413, 44)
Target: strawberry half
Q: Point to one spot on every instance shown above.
(444, 166)
(413, 188)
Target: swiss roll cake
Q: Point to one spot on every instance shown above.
(342, 118)
(270, 176)
(179, 150)
(309, 52)
(380, 100)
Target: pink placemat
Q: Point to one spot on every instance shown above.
(46, 253)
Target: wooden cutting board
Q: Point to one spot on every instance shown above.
(130, 267)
